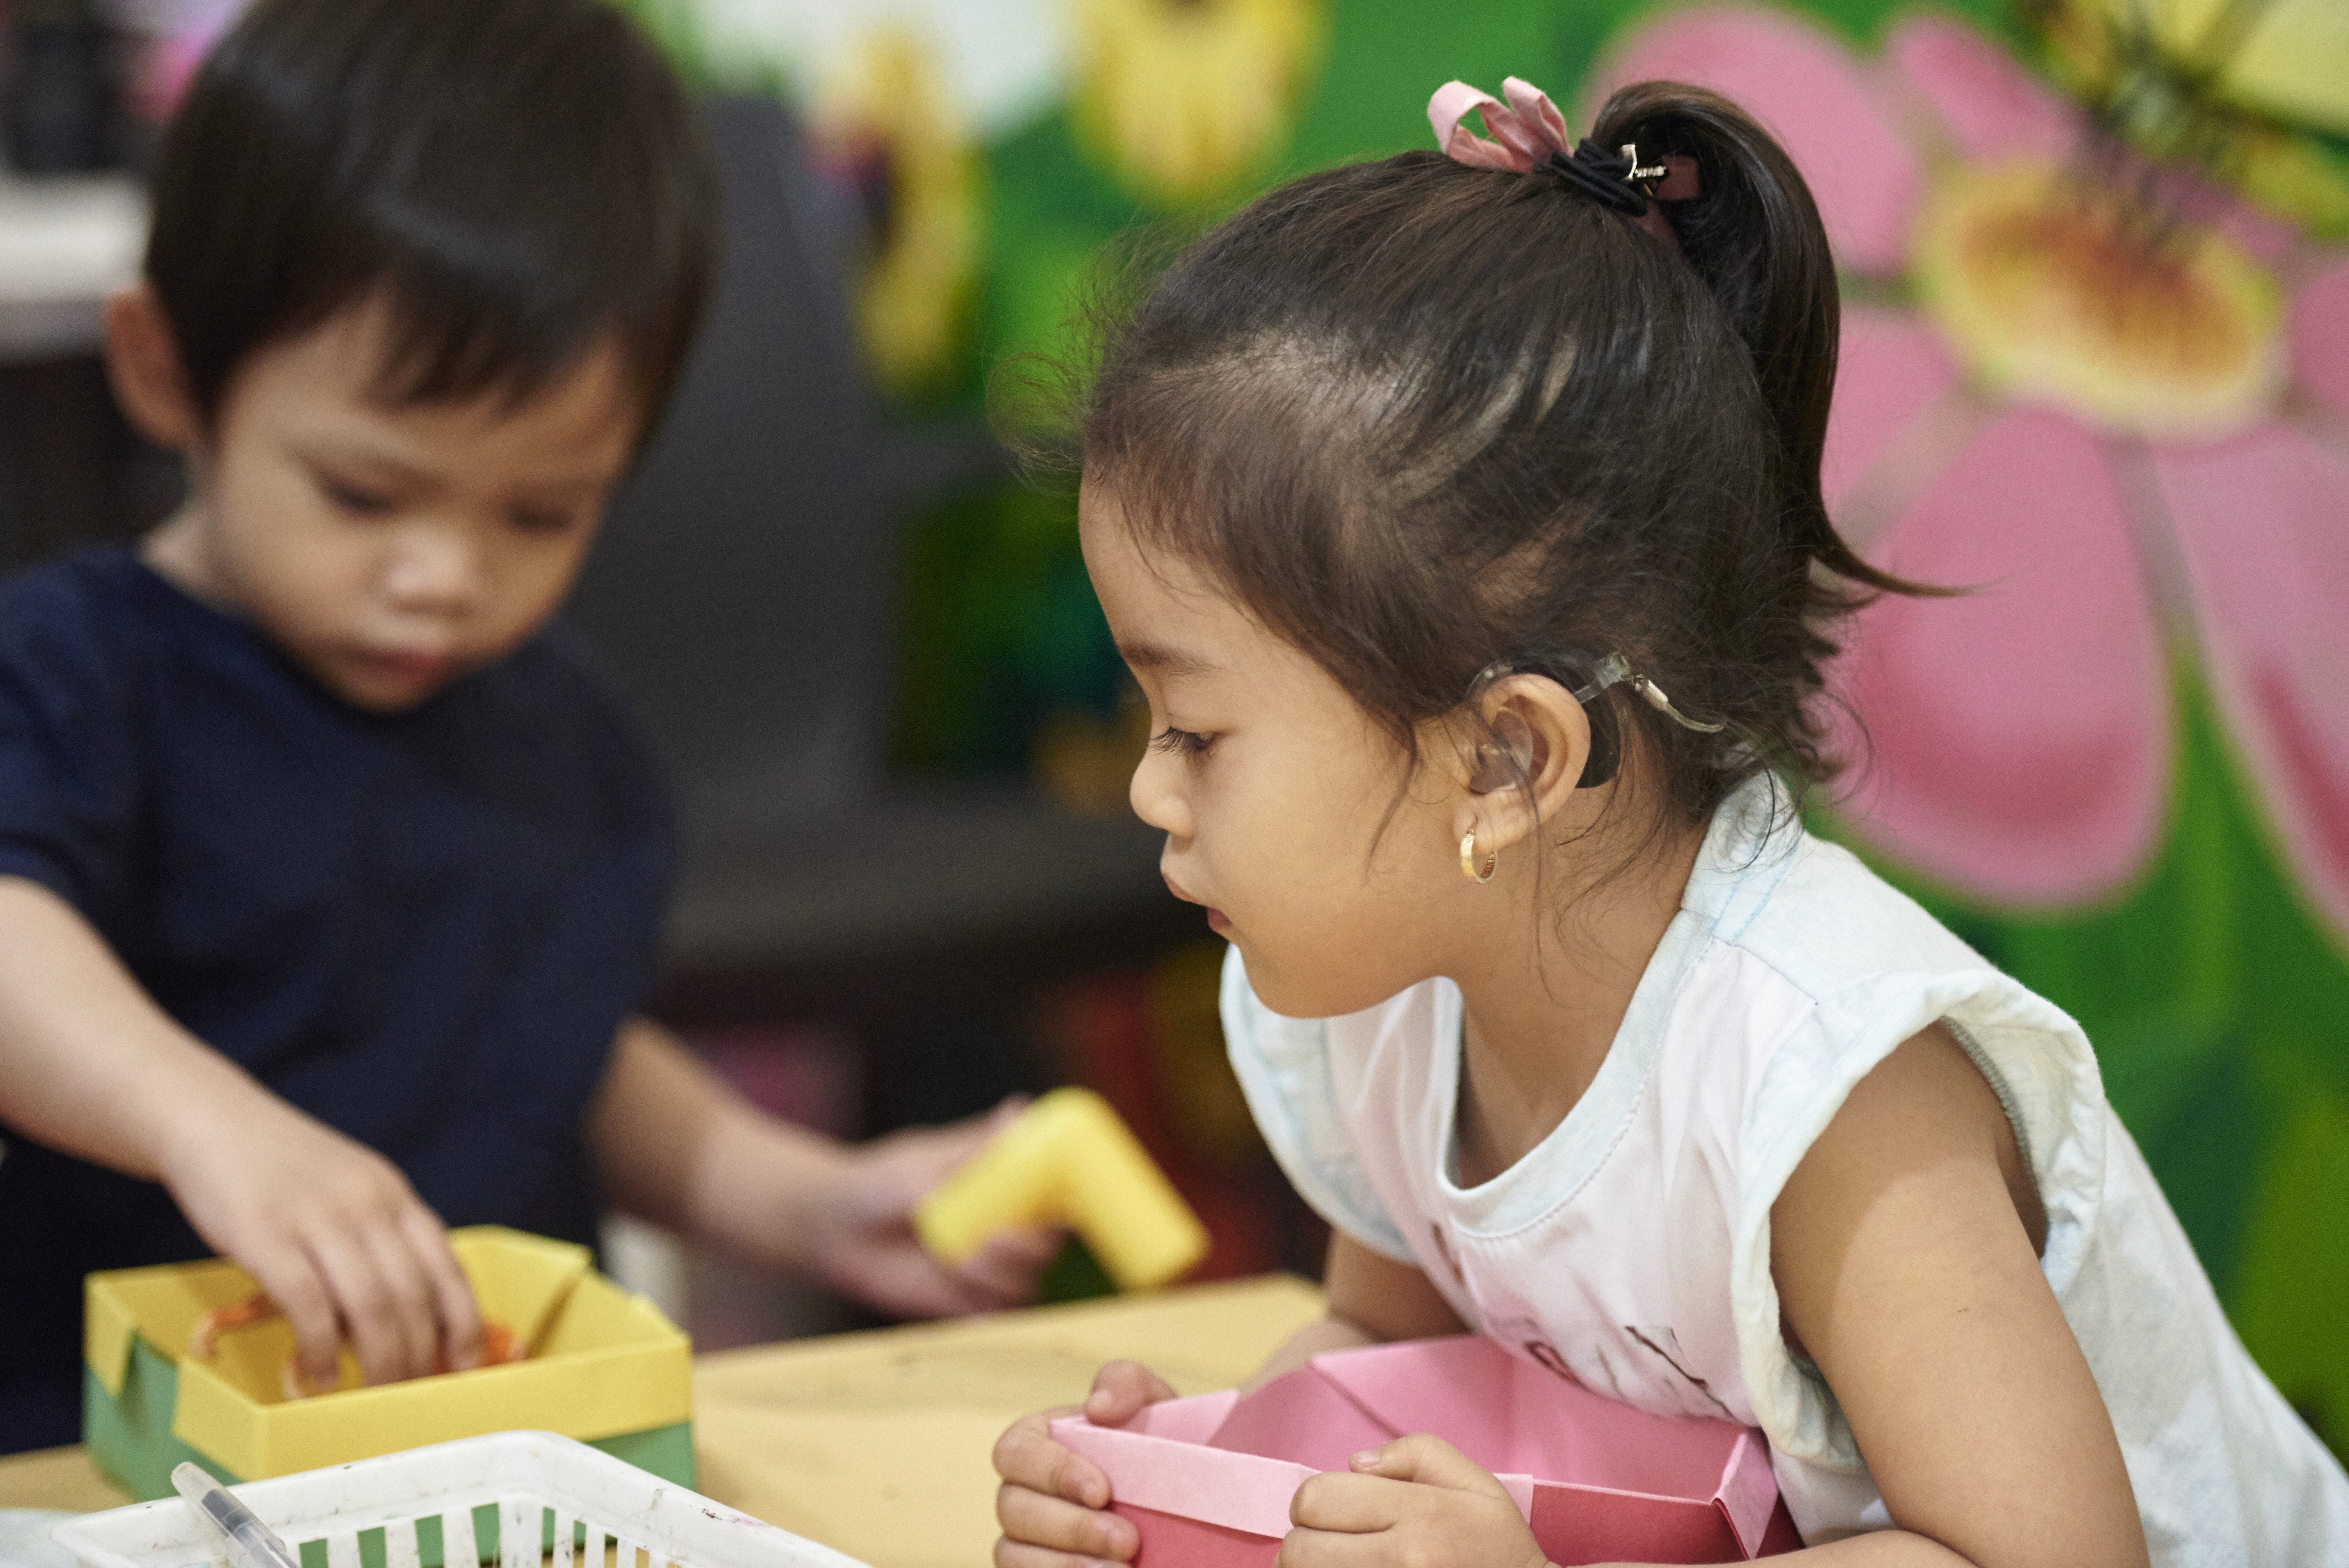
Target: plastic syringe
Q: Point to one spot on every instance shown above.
(249, 1543)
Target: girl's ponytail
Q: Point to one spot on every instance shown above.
(1752, 234)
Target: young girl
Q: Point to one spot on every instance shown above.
(1460, 517)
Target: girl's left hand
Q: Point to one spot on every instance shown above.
(1416, 1502)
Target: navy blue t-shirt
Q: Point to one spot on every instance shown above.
(423, 929)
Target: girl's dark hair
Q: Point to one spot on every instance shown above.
(1422, 419)
(518, 179)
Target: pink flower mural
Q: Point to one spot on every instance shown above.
(2110, 399)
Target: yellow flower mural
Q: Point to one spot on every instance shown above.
(2053, 289)
(1180, 96)
(887, 129)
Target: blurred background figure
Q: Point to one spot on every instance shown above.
(2096, 362)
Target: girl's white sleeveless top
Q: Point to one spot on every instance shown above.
(1631, 1250)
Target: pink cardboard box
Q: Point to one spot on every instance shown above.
(1207, 1480)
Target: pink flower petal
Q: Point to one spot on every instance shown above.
(2017, 742)
(1891, 369)
(2320, 335)
(2259, 523)
(1991, 107)
(1806, 87)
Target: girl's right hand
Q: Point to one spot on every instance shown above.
(1053, 1504)
(331, 1229)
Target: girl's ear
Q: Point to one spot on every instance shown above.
(1526, 768)
(143, 364)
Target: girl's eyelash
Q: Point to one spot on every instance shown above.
(1181, 742)
(355, 498)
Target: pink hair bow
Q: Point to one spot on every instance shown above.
(1529, 131)
(1525, 131)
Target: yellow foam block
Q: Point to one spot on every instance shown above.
(1069, 1161)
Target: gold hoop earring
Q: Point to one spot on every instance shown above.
(1468, 860)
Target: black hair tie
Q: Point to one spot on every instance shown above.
(1613, 180)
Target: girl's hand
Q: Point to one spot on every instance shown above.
(1414, 1503)
(1053, 1504)
(330, 1229)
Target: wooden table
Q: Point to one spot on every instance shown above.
(878, 1443)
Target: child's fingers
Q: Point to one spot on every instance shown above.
(1004, 1267)
(1415, 1499)
(1431, 1462)
(1121, 1389)
(922, 1156)
(461, 1317)
(1028, 1516)
(292, 1281)
(411, 1310)
(369, 1319)
(1010, 1554)
(940, 1151)
(1340, 1548)
(1026, 1247)
(1026, 1456)
(1351, 1504)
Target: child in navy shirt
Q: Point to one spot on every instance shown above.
(330, 877)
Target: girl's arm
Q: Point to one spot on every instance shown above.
(676, 1145)
(1053, 1503)
(1903, 1253)
(90, 1066)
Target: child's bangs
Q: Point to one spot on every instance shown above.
(460, 345)
(513, 184)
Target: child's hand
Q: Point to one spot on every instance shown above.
(1053, 1504)
(862, 1242)
(331, 1229)
(676, 1145)
(1415, 1502)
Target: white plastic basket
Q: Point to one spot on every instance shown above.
(555, 1501)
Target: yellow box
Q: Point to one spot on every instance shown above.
(607, 1369)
